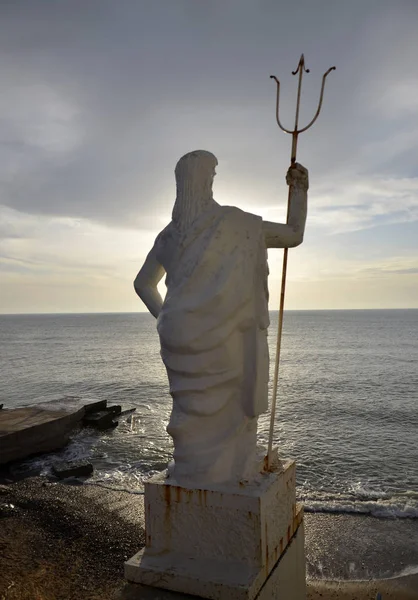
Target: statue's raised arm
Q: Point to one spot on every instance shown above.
(278, 235)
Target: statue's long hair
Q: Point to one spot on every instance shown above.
(194, 178)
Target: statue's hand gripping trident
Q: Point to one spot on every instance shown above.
(295, 133)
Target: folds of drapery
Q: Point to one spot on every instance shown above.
(216, 276)
(212, 329)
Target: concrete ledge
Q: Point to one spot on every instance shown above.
(41, 428)
(200, 577)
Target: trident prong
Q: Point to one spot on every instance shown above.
(295, 132)
(301, 65)
(321, 97)
(301, 68)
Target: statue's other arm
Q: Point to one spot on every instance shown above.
(279, 235)
(146, 282)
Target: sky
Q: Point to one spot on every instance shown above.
(100, 98)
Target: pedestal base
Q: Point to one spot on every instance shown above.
(285, 582)
(223, 544)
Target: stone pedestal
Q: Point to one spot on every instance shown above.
(224, 544)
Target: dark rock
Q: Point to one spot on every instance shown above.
(7, 510)
(99, 420)
(129, 411)
(115, 410)
(1, 406)
(95, 407)
(77, 468)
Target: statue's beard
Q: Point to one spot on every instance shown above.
(194, 196)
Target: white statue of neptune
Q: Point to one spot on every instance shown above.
(213, 321)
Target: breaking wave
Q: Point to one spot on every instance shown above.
(402, 505)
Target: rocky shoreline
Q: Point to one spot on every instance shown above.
(62, 541)
(65, 542)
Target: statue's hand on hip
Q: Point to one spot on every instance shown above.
(297, 177)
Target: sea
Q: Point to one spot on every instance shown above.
(347, 407)
(347, 404)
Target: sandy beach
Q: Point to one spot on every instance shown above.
(63, 542)
(390, 590)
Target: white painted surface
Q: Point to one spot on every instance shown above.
(218, 580)
(213, 322)
(219, 543)
(287, 581)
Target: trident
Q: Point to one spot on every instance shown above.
(294, 134)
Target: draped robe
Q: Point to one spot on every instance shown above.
(213, 334)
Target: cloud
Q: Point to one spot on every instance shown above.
(356, 204)
(67, 246)
(365, 269)
(365, 203)
(101, 100)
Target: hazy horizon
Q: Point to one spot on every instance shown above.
(145, 312)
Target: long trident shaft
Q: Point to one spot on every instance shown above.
(295, 133)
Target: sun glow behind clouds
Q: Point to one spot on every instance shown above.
(64, 264)
(94, 115)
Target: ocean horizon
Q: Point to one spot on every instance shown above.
(145, 312)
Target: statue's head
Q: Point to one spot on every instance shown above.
(194, 178)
